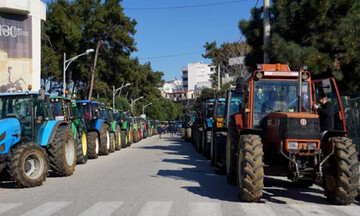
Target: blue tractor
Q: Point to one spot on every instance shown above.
(31, 140)
(98, 132)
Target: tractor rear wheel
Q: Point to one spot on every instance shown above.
(62, 152)
(250, 168)
(105, 141)
(118, 138)
(28, 166)
(123, 139)
(112, 142)
(94, 144)
(82, 149)
(341, 177)
(135, 134)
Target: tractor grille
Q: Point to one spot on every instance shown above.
(295, 130)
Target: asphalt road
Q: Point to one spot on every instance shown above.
(159, 177)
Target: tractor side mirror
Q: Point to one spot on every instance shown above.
(41, 95)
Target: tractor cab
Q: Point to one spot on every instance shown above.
(61, 108)
(219, 112)
(89, 111)
(232, 103)
(30, 109)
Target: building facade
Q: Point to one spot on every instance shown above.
(196, 76)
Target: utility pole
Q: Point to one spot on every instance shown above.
(218, 85)
(266, 29)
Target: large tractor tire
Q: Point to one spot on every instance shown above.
(62, 152)
(207, 145)
(94, 144)
(219, 154)
(341, 172)
(188, 135)
(105, 141)
(131, 138)
(232, 141)
(124, 139)
(250, 168)
(28, 166)
(112, 142)
(82, 149)
(136, 134)
(118, 137)
(199, 140)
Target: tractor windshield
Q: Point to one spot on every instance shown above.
(57, 110)
(235, 103)
(221, 109)
(85, 110)
(278, 96)
(16, 107)
(104, 113)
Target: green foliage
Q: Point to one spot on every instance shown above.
(72, 27)
(321, 34)
(122, 103)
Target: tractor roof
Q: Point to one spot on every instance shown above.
(10, 94)
(87, 101)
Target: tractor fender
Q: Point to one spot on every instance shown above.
(330, 134)
(99, 125)
(10, 133)
(47, 131)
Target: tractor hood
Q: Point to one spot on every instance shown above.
(10, 133)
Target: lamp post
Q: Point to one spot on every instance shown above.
(116, 90)
(68, 62)
(133, 103)
(143, 109)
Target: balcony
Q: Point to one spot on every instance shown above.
(15, 6)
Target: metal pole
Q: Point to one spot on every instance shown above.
(143, 109)
(218, 85)
(300, 91)
(64, 73)
(113, 97)
(266, 29)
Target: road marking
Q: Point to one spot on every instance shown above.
(46, 209)
(4, 207)
(155, 209)
(205, 209)
(257, 209)
(308, 209)
(349, 210)
(102, 208)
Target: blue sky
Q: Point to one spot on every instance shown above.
(169, 32)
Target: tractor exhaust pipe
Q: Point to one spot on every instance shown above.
(300, 90)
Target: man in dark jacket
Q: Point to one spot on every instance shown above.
(326, 113)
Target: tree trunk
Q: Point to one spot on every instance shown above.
(94, 68)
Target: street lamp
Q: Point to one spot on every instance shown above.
(116, 90)
(133, 103)
(143, 110)
(68, 62)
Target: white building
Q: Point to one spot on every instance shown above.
(196, 76)
(20, 44)
(172, 86)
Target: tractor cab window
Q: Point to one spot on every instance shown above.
(220, 109)
(209, 109)
(85, 110)
(104, 113)
(57, 110)
(278, 96)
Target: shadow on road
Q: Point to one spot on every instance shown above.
(214, 186)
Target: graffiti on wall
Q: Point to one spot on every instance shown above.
(15, 52)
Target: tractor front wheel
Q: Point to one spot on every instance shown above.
(62, 152)
(341, 172)
(118, 138)
(28, 166)
(105, 141)
(82, 149)
(124, 139)
(250, 168)
(94, 144)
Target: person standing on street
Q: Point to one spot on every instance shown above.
(160, 130)
(172, 130)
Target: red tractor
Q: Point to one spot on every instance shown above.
(277, 132)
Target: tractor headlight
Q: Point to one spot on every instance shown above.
(293, 145)
(311, 146)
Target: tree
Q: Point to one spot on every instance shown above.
(320, 34)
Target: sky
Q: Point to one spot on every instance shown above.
(173, 32)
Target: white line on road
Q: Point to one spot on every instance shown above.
(205, 209)
(257, 209)
(309, 209)
(102, 208)
(155, 209)
(46, 209)
(4, 207)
